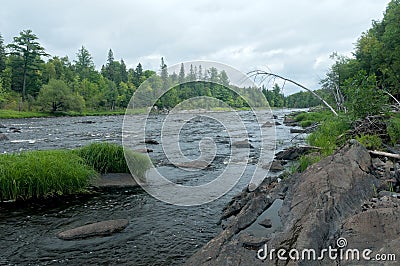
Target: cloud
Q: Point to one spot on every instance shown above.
(293, 38)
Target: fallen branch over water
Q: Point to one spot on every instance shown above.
(387, 154)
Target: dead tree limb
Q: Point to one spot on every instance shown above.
(392, 97)
(265, 74)
(386, 154)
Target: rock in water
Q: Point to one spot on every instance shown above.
(3, 137)
(151, 141)
(242, 144)
(267, 223)
(103, 228)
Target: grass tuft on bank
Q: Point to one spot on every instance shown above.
(110, 158)
(41, 174)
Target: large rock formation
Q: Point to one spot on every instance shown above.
(320, 205)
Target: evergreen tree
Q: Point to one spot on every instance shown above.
(84, 65)
(28, 50)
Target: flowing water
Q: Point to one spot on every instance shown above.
(158, 233)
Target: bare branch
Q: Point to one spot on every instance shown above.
(257, 73)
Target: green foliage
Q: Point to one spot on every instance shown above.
(38, 174)
(26, 52)
(306, 160)
(306, 119)
(363, 98)
(109, 158)
(56, 96)
(370, 141)
(326, 136)
(393, 129)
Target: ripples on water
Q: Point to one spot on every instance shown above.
(158, 233)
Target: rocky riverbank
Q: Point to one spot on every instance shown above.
(346, 195)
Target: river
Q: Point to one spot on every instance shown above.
(158, 233)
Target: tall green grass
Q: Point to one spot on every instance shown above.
(329, 134)
(38, 174)
(110, 158)
(308, 118)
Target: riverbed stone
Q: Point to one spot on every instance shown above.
(196, 164)
(114, 180)
(3, 137)
(267, 223)
(151, 141)
(103, 228)
(242, 144)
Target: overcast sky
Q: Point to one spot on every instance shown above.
(291, 38)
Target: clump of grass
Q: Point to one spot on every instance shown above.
(41, 174)
(306, 160)
(327, 135)
(308, 118)
(110, 158)
(139, 163)
(370, 141)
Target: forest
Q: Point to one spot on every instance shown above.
(30, 83)
(30, 79)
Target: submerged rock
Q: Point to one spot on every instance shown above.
(242, 144)
(115, 180)
(197, 164)
(151, 141)
(103, 228)
(3, 137)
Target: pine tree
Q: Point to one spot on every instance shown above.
(29, 50)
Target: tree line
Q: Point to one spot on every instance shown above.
(29, 82)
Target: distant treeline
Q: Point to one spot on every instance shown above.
(28, 82)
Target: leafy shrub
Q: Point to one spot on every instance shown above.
(393, 129)
(363, 98)
(40, 174)
(370, 141)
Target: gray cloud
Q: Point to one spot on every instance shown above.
(292, 38)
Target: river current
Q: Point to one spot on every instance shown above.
(158, 233)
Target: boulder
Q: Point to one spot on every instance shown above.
(294, 153)
(151, 141)
(103, 228)
(268, 124)
(316, 204)
(3, 137)
(275, 166)
(297, 130)
(196, 164)
(242, 144)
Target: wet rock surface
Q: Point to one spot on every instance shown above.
(114, 180)
(325, 202)
(103, 228)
